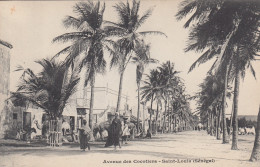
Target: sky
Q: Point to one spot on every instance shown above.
(30, 27)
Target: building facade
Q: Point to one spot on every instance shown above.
(5, 115)
(105, 100)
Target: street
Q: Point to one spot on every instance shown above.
(190, 148)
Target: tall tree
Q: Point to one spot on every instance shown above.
(129, 37)
(255, 156)
(150, 89)
(47, 90)
(89, 40)
(142, 59)
(169, 84)
(220, 36)
(246, 47)
(211, 95)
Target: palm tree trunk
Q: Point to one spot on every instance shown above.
(168, 116)
(91, 104)
(138, 107)
(212, 124)
(150, 123)
(218, 126)
(181, 123)
(143, 120)
(156, 118)
(231, 119)
(235, 122)
(175, 123)
(119, 92)
(213, 120)
(225, 140)
(170, 119)
(165, 109)
(208, 123)
(215, 124)
(255, 156)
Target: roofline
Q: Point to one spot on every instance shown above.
(6, 44)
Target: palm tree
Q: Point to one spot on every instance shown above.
(207, 15)
(142, 59)
(170, 84)
(47, 90)
(246, 48)
(180, 107)
(150, 89)
(221, 36)
(210, 97)
(129, 37)
(89, 40)
(255, 156)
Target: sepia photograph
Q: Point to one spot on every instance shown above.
(129, 83)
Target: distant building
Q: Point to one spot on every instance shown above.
(248, 117)
(105, 100)
(5, 116)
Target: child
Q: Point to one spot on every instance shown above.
(148, 135)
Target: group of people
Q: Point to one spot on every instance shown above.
(116, 131)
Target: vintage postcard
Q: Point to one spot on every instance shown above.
(129, 83)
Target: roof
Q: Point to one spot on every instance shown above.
(6, 44)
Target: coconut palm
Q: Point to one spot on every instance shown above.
(210, 97)
(207, 15)
(170, 84)
(158, 99)
(150, 90)
(89, 40)
(220, 36)
(47, 90)
(128, 37)
(255, 156)
(180, 107)
(211, 92)
(246, 47)
(142, 59)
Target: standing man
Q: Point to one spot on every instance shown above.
(116, 131)
(84, 136)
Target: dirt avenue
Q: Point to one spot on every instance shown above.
(190, 148)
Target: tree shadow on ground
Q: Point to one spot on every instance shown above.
(107, 151)
(135, 153)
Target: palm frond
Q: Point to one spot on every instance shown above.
(72, 36)
(209, 54)
(141, 21)
(145, 33)
(71, 21)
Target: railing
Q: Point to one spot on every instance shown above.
(55, 136)
(108, 90)
(97, 89)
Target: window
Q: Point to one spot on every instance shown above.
(14, 115)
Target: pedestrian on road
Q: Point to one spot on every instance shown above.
(126, 132)
(116, 130)
(148, 134)
(84, 136)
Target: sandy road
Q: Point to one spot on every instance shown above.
(191, 148)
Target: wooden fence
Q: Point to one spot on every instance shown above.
(55, 135)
